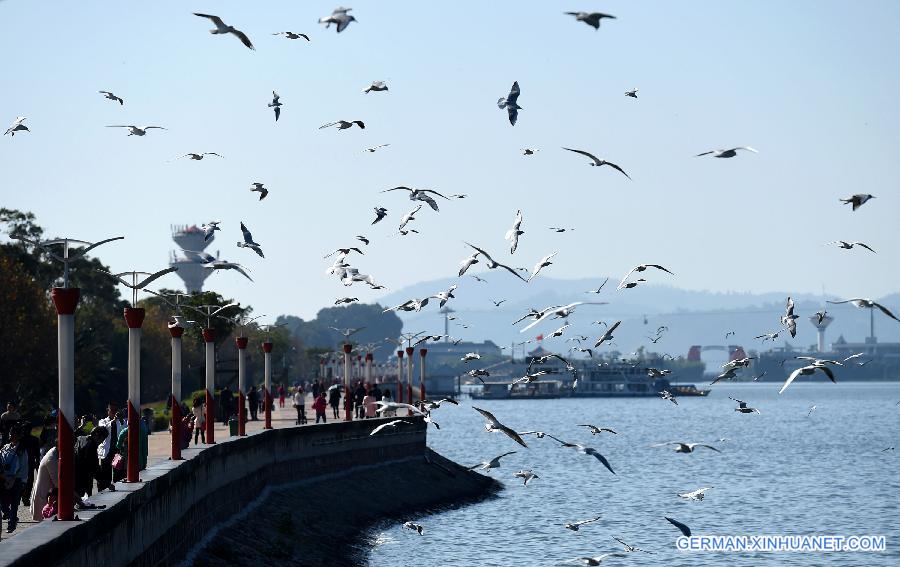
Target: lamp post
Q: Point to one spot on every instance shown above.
(134, 319)
(422, 353)
(209, 338)
(348, 404)
(400, 376)
(176, 331)
(65, 300)
(409, 374)
(241, 343)
(267, 394)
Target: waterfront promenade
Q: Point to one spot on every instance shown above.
(160, 445)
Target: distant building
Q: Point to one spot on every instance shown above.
(190, 266)
(448, 354)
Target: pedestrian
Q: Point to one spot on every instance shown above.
(226, 402)
(48, 433)
(12, 462)
(199, 412)
(369, 405)
(86, 463)
(316, 388)
(47, 479)
(319, 405)
(7, 420)
(334, 399)
(106, 451)
(186, 430)
(300, 405)
(281, 394)
(31, 445)
(358, 396)
(143, 445)
(253, 401)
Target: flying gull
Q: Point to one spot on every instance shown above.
(493, 425)
(789, 320)
(198, 156)
(222, 28)
(597, 162)
(249, 243)
(526, 475)
(412, 526)
(632, 93)
(596, 430)
(258, 187)
(857, 200)
(730, 153)
(135, 130)
(339, 17)
(111, 96)
(742, 406)
(492, 464)
(292, 35)
(493, 264)
(209, 228)
(513, 234)
(509, 103)
(373, 149)
(608, 335)
(863, 303)
(380, 213)
(344, 124)
(420, 195)
(276, 105)
(590, 18)
(574, 526)
(641, 268)
(686, 447)
(541, 264)
(696, 494)
(376, 86)
(17, 126)
(808, 371)
(848, 245)
(392, 424)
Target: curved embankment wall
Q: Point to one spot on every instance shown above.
(341, 479)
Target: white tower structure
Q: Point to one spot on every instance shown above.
(190, 266)
(820, 329)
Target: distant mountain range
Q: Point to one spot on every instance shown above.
(692, 317)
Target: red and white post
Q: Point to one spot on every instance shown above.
(348, 402)
(134, 318)
(176, 333)
(399, 397)
(209, 337)
(409, 376)
(241, 343)
(422, 353)
(267, 394)
(65, 299)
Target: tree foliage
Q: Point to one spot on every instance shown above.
(322, 332)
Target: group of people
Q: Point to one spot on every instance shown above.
(29, 464)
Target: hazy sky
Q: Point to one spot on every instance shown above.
(812, 85)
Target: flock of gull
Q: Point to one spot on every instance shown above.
(427, 201)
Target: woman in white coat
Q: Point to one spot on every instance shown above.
(47, 477)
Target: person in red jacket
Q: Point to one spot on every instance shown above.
(281, 394)
(319, 405)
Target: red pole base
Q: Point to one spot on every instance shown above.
(268, 405)
(176, 430)
(210, 418)
(242, 417)
(134, 442)
(65, 447)
(422, 392)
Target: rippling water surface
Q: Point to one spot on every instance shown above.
(780, 472)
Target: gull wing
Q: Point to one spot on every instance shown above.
(584, 153)
(432, 191)
(790, 379)
(514, 93)
(593, 452)
(488, 416)
(155, 276)
(248, 237)
(215, 19)
(682, 527)
(482, 252)
(512, 435)
(616, 167)
(511, 270)
(244, 39)
(885, 311)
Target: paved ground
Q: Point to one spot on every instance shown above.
(160, 446)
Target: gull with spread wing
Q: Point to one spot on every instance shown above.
(221, 28)
(420, 195)
(248, 241)
(493, 425)
(493, 264)
(597, 162)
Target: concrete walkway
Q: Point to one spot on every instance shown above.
(160, 445)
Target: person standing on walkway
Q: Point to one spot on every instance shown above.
(319, 405)
(226, 404)
(86, 463)
(199, 412)
(253, 402)
(107, 450)
(12, 461)
(369, 405)
(143, 444)
(316, 388)
(8, 419)
(299, 404)
(281, 394)
(334, 400)
(47, 479)
(31, 445)
(358, 396)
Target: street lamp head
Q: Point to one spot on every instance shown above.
(65, 258)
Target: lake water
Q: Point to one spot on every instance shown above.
(780, 472)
